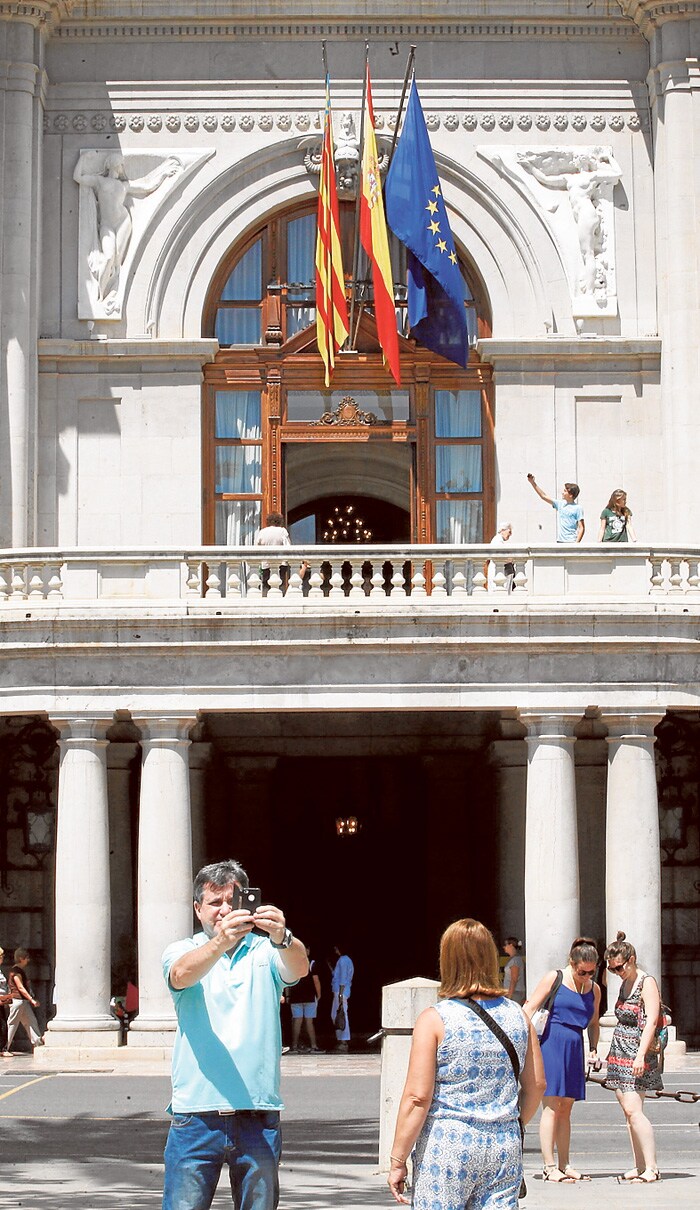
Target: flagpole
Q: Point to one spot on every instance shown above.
(409, 69)
(356, 248)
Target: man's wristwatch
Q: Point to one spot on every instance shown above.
(286, 941)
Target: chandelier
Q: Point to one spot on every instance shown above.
(346, 525)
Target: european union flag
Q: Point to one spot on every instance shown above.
(416, 213)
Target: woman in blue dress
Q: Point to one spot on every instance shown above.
(460, 1102)
(576, 1007)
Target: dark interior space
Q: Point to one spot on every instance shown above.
(423, 854)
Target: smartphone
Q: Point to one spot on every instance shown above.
(251, 898)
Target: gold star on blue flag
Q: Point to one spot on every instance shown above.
(416, 213)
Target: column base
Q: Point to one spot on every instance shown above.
(152, 1033)
(70, 1031)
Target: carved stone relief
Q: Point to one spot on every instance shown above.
(346, 154)
(573, 186)
(120, 193)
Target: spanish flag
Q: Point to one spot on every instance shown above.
(332, 325)
(375, 242)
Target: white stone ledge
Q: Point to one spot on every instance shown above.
(55, 352)
(557, 352)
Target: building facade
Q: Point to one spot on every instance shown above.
(526, 756)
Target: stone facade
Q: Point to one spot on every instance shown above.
(140, 144)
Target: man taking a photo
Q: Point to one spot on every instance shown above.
(226, 983)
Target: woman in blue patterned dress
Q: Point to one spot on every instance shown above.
(576, 1007)
(460, 1102)
(633, 1068)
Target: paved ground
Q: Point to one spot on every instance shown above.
(93, 1141)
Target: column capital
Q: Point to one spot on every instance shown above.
(81, 729)
(165, 730)
(649, 15)
(631, 724)
(555, 724)
(36, 12)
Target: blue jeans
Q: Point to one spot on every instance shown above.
(198, 1146)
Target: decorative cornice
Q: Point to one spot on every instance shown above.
(444, 28)
(191, 121)
(36, 12)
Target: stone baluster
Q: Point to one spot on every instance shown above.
(418, 589)
(520, 581)
(35, 582)
(5, 581)
(315, 580)
(479, 583)
(295, 589)
(164, 868)
(234, 587)
(83, 902)
(357, 593)
(19, 582)
(551, 841)
(194, 578)
(633, 861)
(213, 592)
(675, 579)
(55, 583)
(693, 576)
(656, 578)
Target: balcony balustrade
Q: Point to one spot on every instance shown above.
(350, 578)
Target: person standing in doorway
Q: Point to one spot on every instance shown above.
(341, 986)
(226, 983)
(570, 523)
(303, 1001)
(514, 970)
(273, 533)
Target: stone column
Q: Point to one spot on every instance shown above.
(120, 760)
(633, 859)
(83, 974)
(551, 842)
(164, 868)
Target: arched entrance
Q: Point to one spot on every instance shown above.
(276, 439)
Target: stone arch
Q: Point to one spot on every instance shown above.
(502, 234)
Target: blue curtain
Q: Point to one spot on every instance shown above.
(459, 521)
(238, 326)
(236, 522)
(457, 414)
(238, 470)
(458, 469)
(245, 283)
(238, 414)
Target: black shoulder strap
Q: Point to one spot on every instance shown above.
(500, 1034)
(553, 991)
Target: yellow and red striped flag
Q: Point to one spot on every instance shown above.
(332, 325)
(375, 242)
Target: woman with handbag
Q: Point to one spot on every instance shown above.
(460, 1102)
(574, 1005)
(633, 1061)
(341, 986)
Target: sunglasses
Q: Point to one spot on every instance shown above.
(592, 971)
(615, 969)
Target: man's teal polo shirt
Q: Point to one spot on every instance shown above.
(228, 1041)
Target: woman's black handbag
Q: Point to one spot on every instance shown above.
(340, 1020)
(512, 1055)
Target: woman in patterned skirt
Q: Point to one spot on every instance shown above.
(460, 1101)
(633, 1067)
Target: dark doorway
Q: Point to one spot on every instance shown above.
(345, 520)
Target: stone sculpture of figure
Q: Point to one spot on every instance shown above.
(110, 189)
(581, 174)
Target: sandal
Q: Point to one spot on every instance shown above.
(550, 1172)
(648, 1177)
(574, 1175)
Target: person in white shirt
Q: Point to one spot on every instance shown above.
(502, 536)
(273, 533)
